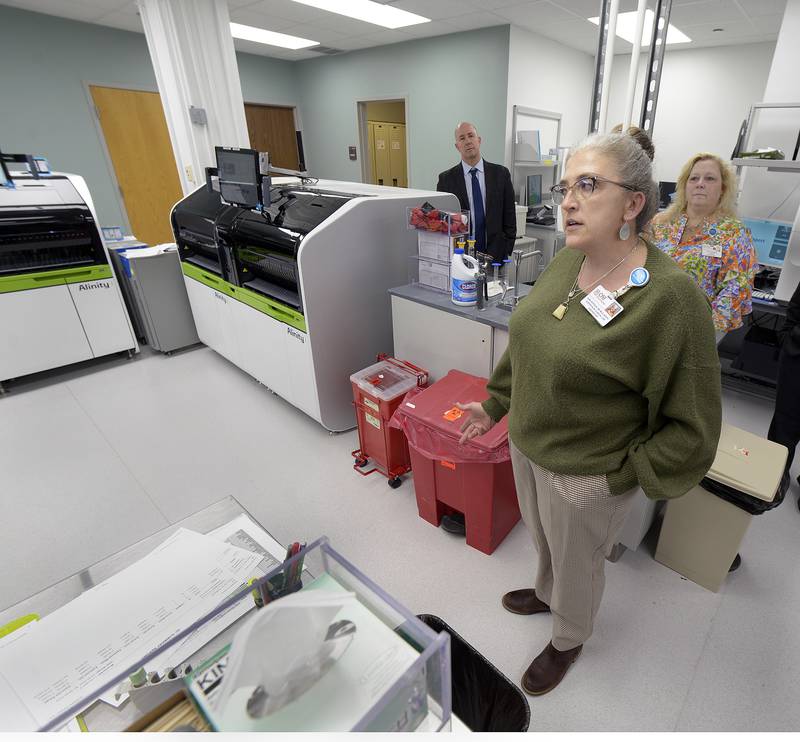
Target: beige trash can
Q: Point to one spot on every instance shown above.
(702, 532)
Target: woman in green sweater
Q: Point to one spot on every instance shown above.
(611, 382)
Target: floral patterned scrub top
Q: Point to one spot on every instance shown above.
(720, 256)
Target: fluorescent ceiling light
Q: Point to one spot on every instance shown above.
(626, 29)
(366, 10)
(262, 36)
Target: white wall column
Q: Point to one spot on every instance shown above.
(771, 195)
(195, 65)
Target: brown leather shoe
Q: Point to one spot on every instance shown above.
(548, 669)
(524, 602)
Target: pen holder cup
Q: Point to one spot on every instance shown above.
(277, 588)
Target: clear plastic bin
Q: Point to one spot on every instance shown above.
(415, 697)
(377, 392)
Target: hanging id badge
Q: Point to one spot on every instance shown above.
(601, 305)
(711, 250)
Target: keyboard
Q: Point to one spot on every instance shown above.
(766, 296)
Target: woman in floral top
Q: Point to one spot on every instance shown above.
(701, 233)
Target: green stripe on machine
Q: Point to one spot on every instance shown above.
(273, 308)
(207, 279)
(28, 281)
(257, 301)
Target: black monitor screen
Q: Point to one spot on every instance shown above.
(666, 189)
(239, 180)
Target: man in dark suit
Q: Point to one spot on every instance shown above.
(485, 190)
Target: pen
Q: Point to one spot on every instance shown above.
(298, 567)
(293, 568)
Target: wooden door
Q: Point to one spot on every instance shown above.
(138, 142)
(272, 129)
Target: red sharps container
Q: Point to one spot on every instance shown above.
(377, 392)
(474, 478)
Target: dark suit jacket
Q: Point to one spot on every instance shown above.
(501, 221)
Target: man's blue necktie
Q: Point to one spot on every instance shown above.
(479, 229)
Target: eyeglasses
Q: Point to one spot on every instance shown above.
(583, 188)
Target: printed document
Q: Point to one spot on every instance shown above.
(70, 654)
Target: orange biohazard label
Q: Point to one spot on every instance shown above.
(448, 464)
(453, 414)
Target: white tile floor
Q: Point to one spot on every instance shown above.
(93, 459)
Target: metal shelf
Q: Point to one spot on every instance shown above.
(535, 163)
(780, 166)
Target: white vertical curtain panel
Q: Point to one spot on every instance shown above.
(194, 61)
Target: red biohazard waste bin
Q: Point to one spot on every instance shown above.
(474, 478)
(377, 392)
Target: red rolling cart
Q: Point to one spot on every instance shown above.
(377, 392)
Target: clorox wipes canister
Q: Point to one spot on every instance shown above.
(463, 283)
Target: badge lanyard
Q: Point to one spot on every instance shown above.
(603, 304)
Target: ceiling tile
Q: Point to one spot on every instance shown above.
(580, 35)
(424, 30)
(434, 9)
(124, 20)
(300, 54)
(738, 41)
(316, 32)
(287, 9)
(711, 11)
(770, 24)
(260, 20)
(732, 30)
(476, 20)
(493, 4)
(756, 8)
(388, 36)
(128, 8)
(73, 9)
(355, 42)
(591, 8)
(105, 6)
(346, 26)
(273, 52)
(535, 15)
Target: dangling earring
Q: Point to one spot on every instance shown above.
(624, 231)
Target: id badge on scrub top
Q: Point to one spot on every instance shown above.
(711, 251)
(601, 305)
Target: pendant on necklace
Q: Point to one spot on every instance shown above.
(560, 311)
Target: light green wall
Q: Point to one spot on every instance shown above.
(44, 108)
(267, 81)
(447, 79)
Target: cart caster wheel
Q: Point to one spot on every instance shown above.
(361, 463)
(395, 483)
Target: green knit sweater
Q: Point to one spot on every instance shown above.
(637, 400)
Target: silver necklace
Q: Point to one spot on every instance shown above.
(561, 309)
